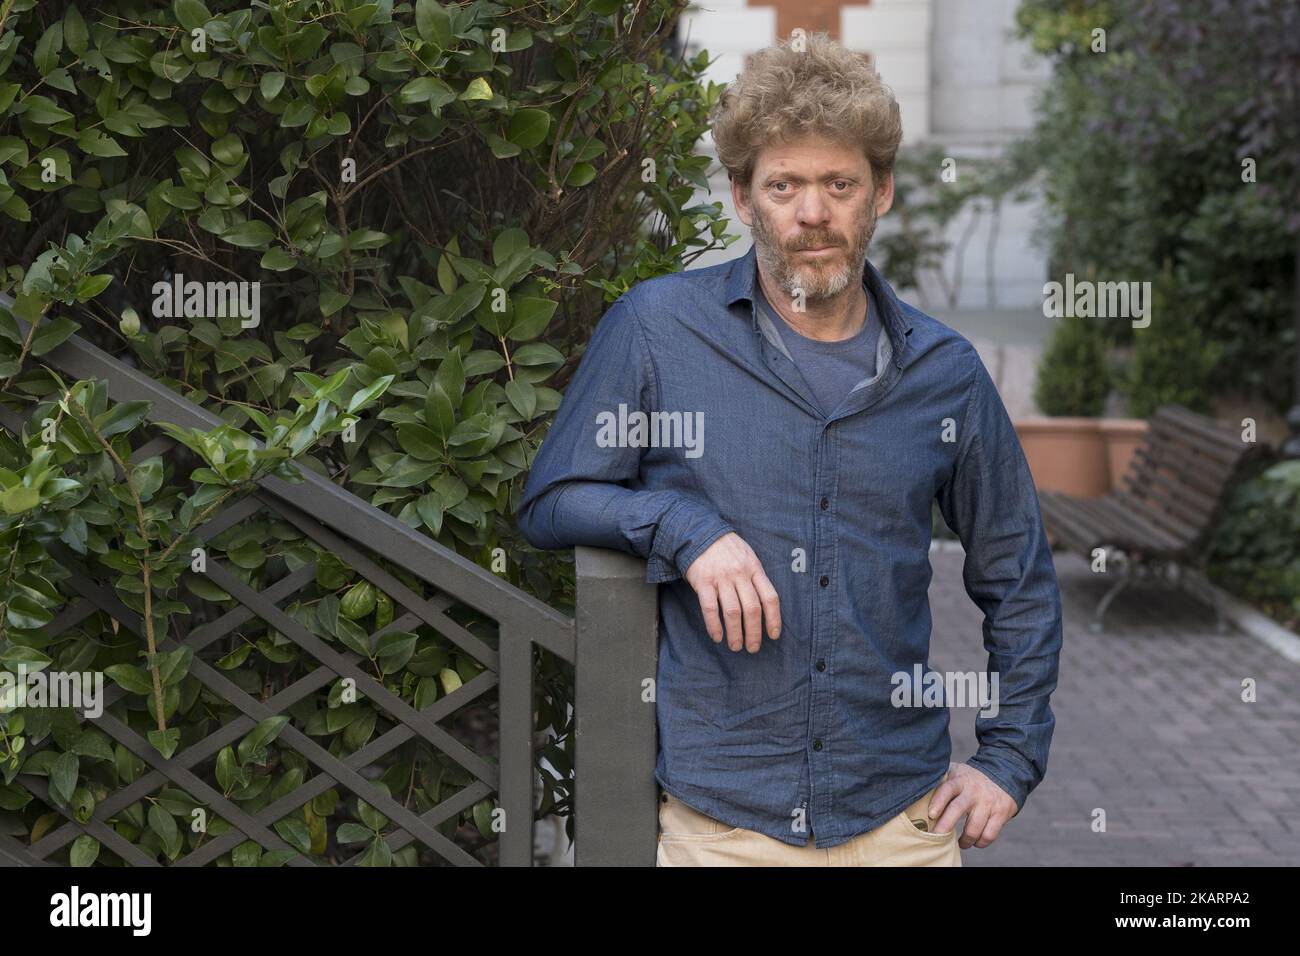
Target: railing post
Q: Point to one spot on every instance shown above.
(616, 815)
(516, 747)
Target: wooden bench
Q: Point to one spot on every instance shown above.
(1162, 517)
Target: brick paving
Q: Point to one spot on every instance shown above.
(1150, 727)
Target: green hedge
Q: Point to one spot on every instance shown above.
(1256, 550)
(437, 203)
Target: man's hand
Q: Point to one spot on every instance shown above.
(729, 576)
(966, 792)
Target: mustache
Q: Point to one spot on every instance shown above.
(814, 243)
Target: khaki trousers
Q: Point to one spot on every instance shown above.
(688, 837)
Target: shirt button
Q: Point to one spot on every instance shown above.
(826, 503)
(825, 581)
(821, 665)
(817, 744)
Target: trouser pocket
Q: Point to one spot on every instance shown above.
(679, 821)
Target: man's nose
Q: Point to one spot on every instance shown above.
(813, 209)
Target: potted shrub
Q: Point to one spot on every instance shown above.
(1065, 446)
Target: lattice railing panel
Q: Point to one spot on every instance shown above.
(290, 614)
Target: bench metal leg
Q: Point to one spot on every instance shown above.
(1098, 622)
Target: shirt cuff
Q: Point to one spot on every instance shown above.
(685, 533)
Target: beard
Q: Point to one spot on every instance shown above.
(820, 279)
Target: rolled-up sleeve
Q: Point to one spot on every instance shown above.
(992, 505)
(577, 490)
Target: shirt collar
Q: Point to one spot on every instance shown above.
(744, 273)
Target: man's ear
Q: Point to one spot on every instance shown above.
(740, 199)
(884, 195)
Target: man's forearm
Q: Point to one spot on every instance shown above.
(666, 528)
(1023, 638)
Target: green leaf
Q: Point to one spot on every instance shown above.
(165, 741)
(439, 413)
(433, 23)
(25, 614)
(46, 55)
(483, 818)
(295, 833)
(191, 13)
(451, 377)
(261, 735)
(353, 833)
(508, 243)
(43, 111)
(478, 89)
(271, 84)
(91, 286)
(28, 657)
(164, 825)
(228, 773)
(359, 601)
(394, 650)
(250, 234)
(247, 853)
(523, 397)
(531, 316)
(85, 848)
(367, 239)
(94, 143)
(229, 149)
(122, 417)
(63, 777)
(130, 678)
(427, 89)
(175, 665)
(429, 508)
(365, 396)
(19, 498)
(53, 333)
(420, 442)
(379, 854)
(528, 128)
(580, 175)
(77, 37)
(501, 148)
(331, 301)
(147, 477)
(538, 353)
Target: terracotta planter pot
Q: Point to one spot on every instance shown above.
(1122, 437)
(1066, 454)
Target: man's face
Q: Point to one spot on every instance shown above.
(812, 207)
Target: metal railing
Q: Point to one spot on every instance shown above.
(612, 645)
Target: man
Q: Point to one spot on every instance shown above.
(837, 414)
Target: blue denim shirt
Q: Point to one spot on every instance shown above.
(803, 736)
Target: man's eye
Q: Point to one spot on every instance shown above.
(842, 182)
(777, 185)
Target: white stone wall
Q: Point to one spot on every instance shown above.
(897, 34)
(984, 85)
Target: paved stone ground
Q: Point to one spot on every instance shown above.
(1150, 726)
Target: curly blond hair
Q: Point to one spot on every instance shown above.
(825, 90)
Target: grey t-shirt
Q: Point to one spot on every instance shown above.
(831, 369)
